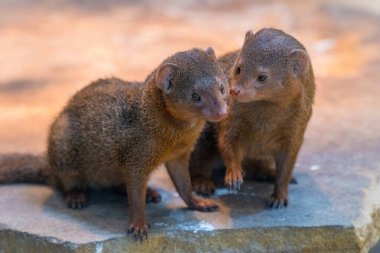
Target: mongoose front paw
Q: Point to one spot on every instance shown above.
(278, 201)
(233, 179)
(139, 231)
(203, 205)
(203, 186)
(152, 196)
(76, 200)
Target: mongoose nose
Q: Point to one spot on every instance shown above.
(234, 92)
(221, 114)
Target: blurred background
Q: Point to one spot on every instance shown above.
(51, 48)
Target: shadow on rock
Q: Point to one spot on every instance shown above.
(108, 211)
(309, 205)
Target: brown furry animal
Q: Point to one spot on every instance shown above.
(272, 85)
(113, 132)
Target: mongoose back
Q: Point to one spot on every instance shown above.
(272, 88)
(114, 132)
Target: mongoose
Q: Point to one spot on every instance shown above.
(272, 88)
(114, 132)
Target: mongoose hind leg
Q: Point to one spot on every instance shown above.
(152, 195)
(263, 170)
(203, 186)
(74, 189)
(202, 159)
(201, 175)
(76, 199)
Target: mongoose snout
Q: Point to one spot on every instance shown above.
(243, 94)
(215, 108)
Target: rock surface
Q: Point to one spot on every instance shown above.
(50, 49)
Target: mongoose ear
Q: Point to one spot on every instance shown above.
(210, 51)
(165, 75)
(248, 34)
(299, 62)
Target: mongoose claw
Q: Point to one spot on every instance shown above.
(139, 232)
(234, 179)
(76, 200)
(278, 202)
(203, 186)
(203, 205)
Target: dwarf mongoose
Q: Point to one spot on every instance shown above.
(272, 88)
(114, 132)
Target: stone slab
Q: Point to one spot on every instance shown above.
(50, 49)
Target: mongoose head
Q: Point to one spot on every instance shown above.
(193, 85)
(270, 66)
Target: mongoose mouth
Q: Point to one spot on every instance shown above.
(214, 120)
(218, 117)
(243, 95)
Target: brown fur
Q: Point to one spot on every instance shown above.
(266, 120)
(23, 168)
(31, 168)
(114, 132)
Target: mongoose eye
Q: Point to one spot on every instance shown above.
(262, 78)
(170, 84)
(237, 71)
(195, 97)
(222, 89)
